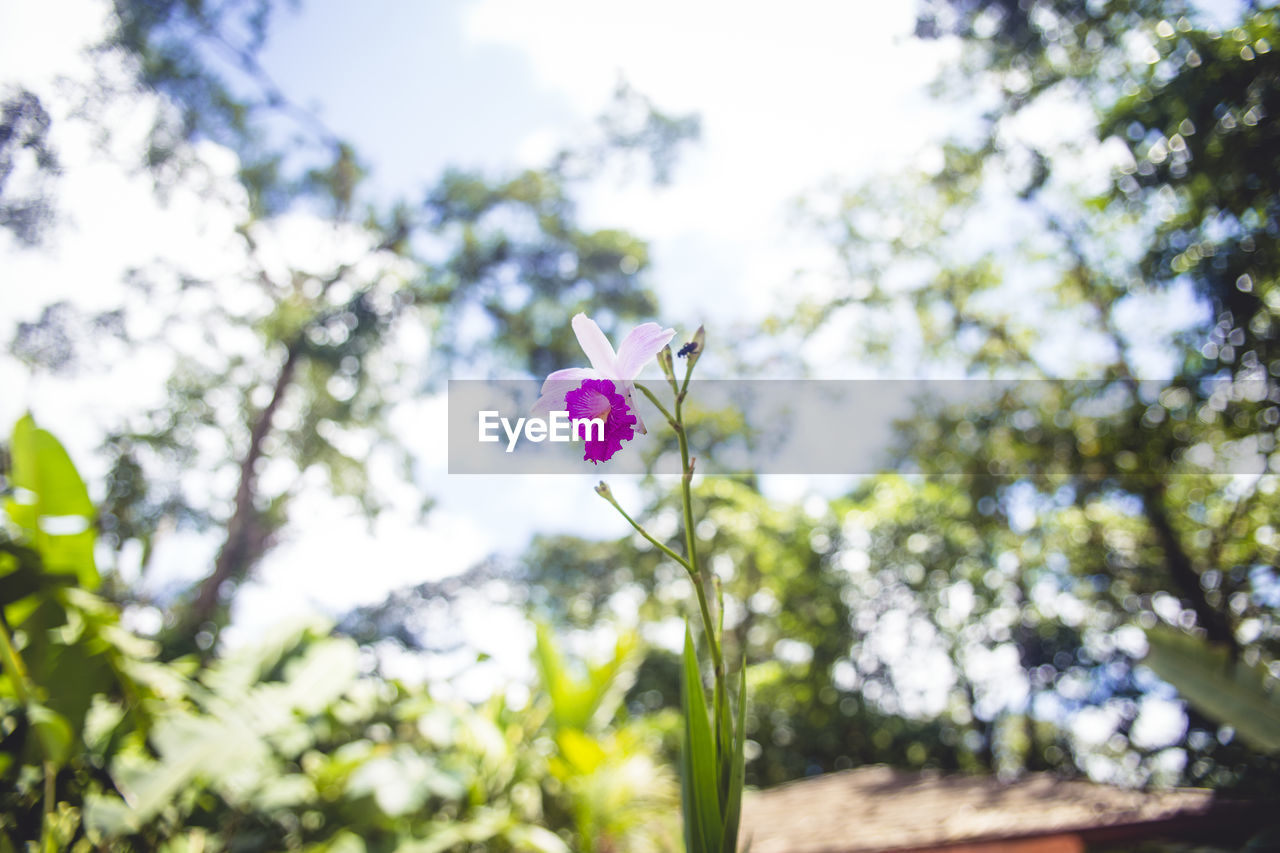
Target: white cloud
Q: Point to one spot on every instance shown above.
(787, 99)
(40, 41)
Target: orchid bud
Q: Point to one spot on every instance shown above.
(667, 363)
(694, 348)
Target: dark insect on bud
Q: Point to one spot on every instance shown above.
(687, 350)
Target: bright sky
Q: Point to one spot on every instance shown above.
(787, 101)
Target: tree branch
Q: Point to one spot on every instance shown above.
(1185, 577)
(243, 545)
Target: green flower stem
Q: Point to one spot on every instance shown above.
(50, 794)
(698, 343)
(690, 562)
(694, 575)
(691, 542)
(684, 386)
(604, 492)
(661, 408)
(700, 578)
(725, 745)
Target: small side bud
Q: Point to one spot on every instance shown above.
(602, 489)
(667, 363)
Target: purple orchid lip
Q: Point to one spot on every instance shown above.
(599, 400)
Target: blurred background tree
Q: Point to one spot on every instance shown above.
(289, 743)
(283, 370)
(1133, 249)
(1107, 506)
(1110, 216)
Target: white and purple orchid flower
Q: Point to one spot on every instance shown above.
(643, 343)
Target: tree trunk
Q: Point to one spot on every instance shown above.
(246, 538)
(1186, 579)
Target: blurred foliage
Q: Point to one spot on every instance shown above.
(1187, 99)
(28, 161)
(622, 797)
(282, 373)
(975, 618)
(1048, 534)
(965, 620)
(54, 623)
(787, 609)
(288, 744)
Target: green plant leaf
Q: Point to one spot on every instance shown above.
(1206, 677)
(324, 671)
(610, 680)
(737, 778)
(51, 503)
(109, 814)
(22, 573)
(54, 732)
(580, 751)
(701, 771)
(343, 841)
(585, 704)
(693, 840)
(723, 741)
(555, 680)
(535, 839)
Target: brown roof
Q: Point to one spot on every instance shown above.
(881, 809)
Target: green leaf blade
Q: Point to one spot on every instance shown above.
(737, 775)
(51, 502)
(1206, 678)
(701, 802)
(53, 731)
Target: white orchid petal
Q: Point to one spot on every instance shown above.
(557, 385)
(548, 403)
(596, 346)
(644, 342)
(626, 389)
(571, 376)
